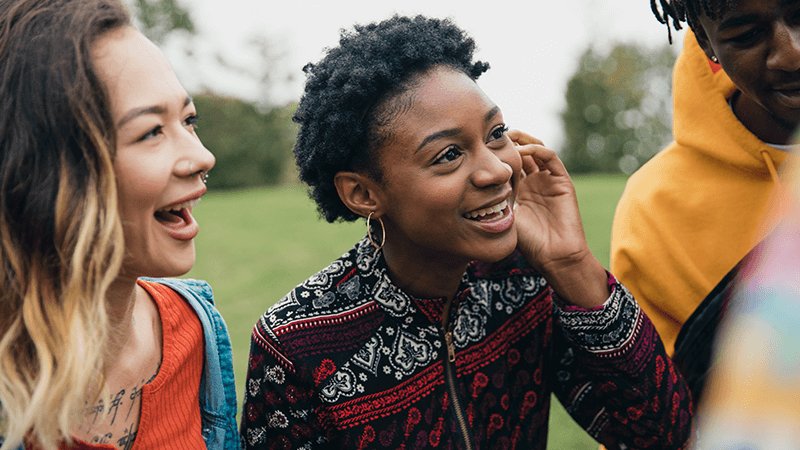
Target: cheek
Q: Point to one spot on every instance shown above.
(139, 185)
(743, 70)
(421, 202)
(133, 201)
(435, 197)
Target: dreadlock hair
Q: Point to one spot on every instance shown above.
(688, 11)
(61, 241)
(348, 103)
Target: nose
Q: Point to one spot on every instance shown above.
(785, 49)
(196, 159)
(491, 169)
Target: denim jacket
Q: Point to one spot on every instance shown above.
(217, 389)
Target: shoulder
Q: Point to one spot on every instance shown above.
(665, 175)
(326, 292)
(334, 304)
(187, 287)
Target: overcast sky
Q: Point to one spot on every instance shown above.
(532, 45)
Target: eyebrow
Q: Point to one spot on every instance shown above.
(144, 110)
(455, 131)
(738, 21)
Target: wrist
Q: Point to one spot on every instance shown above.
(579, 280)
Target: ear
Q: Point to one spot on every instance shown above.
(360, 193)
(702, 40)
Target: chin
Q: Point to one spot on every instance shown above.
(163, 268)
(178, 268)
(498, 251)
(176, 262)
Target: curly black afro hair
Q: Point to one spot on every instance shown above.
(688, 11)
(344, 110)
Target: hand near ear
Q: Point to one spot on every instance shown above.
(549, 228)
(548, 222)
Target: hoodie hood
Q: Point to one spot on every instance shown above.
(697, 208)
(701, 93)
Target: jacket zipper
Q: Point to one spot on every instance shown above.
(449, 371)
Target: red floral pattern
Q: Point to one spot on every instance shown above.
(348, 360)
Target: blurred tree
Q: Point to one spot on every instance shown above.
(251, 139)
(252, 147)
(158, 18)
(619, 109)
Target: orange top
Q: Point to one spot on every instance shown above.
(170, 411)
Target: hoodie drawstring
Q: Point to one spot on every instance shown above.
(773, 173)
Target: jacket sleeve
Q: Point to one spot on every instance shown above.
(280, 406)
(614, 378)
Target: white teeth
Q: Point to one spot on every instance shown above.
(486, 211)
(179, 206)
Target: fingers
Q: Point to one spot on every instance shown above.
(543, 158)
(535, 156)
(522, 138)
(529, 165)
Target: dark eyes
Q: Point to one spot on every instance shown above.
(499, 132)
(453, 152)
(450, 154)
(155, 131)
(189, 122)
(746, 38)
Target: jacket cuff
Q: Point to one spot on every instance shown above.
(606, 328)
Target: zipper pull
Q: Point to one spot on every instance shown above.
(451, 348)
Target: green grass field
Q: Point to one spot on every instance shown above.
(256, 245)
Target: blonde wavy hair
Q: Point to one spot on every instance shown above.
(61, 242)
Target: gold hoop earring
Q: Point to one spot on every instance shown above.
(369, 232)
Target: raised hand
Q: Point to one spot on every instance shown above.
(549, 229)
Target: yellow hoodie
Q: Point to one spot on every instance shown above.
(689, 215)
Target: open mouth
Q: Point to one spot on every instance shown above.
(177, 214)
(491, 213)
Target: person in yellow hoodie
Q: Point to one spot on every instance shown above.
(690, 215)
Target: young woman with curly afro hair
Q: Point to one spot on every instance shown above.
(472, 297)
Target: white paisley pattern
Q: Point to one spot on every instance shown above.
(342, 383)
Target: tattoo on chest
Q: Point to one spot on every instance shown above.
(125, 441)
(134, 396)
(115, 418)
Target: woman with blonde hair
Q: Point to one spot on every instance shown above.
(100, 167)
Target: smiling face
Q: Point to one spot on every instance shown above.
(159, 159)
(757, 42)
(448, 172)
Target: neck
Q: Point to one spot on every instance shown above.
(424, 276)
(761, 122)
(120, 300)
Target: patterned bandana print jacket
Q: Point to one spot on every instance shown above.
(347, 360)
